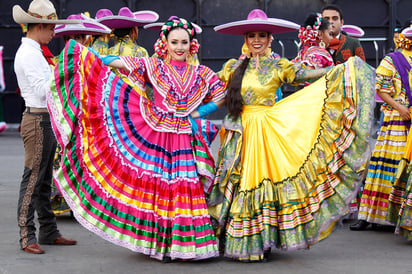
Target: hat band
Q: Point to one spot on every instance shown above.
(51, 16)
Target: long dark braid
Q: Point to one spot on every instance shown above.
(234, 98)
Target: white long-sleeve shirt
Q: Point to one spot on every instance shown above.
(32, 72)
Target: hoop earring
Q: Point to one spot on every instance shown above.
(322, 44)
(167, 57)
(189, 59)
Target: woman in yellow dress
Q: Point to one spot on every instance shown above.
(125, 30)
(392, 87)
(100, 43)
(286, 172)
(400, 198)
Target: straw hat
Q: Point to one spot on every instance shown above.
(257, 20)
(158, 26)
(40, 11)
(87, 26)
(125, 18)
(353, 31)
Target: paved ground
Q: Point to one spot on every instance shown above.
(343, 252)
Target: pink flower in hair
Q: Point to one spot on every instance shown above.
(194, 47)
(160, 48)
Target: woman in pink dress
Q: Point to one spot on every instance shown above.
(315, 36)
(136, 170)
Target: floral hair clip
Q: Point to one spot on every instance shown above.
(318, 21)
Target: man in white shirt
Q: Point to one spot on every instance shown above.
(33, 72)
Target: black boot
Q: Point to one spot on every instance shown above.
(266, 255)
(360, 225)
(166, 259)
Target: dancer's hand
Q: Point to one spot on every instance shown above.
(403, 110)
(404, 113)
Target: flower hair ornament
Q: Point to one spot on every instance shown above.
(404, 42)
(310, 34)
(172, 23)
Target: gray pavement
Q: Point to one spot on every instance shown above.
(344, 251)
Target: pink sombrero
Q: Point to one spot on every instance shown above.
(407, 32)
(87, 26)
(257, 20)
(353, 31)
(158, 26)
(126, 18)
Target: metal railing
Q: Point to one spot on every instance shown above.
(375, 44)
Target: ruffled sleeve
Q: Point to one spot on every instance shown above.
(227, 70)
(318, 58)
(384, 74)
(216, 87)
(135, 73)
(286, 70)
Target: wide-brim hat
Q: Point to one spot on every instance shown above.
(40, 11)
(407, 32)
(126, 18)
(158, 27)
(353, 31)
(87, 26)
(257, 20)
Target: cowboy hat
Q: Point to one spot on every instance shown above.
(257, 20)
(40, 11)
(353, 31)
(125, 18)
(87, 26)
(158, 26)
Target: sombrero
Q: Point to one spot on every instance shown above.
(407, 32)
(87, 26)
(353, 31)
(158, 26)
(257, 20)
(40, 11)
(125, 18)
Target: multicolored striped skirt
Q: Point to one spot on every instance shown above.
(389, 150)
(132, 185)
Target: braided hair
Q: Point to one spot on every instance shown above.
(309, 32)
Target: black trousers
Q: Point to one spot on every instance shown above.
(39, 150)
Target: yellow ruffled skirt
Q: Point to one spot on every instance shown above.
(286, 173)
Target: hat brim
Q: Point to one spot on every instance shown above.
(84, 28)
(146, 15)
(272, 25)
(121, 22)
(353, 31)
(158, 26)
(407, 32)
(22, 17)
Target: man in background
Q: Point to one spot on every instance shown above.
(342, 46)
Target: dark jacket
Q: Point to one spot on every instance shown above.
(347, 47)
